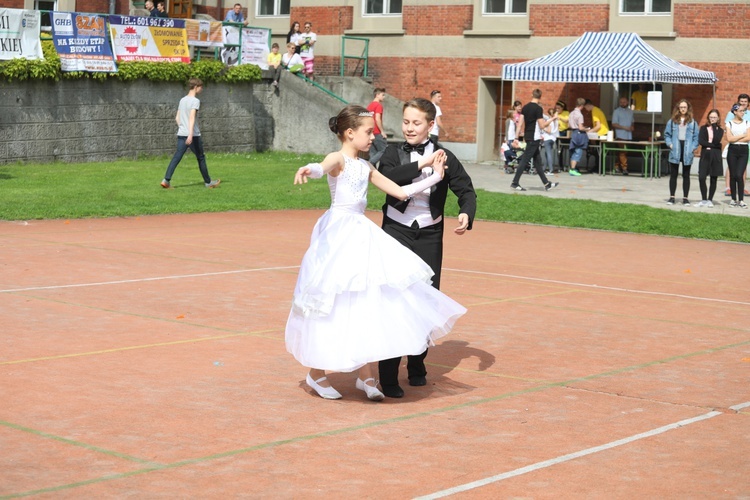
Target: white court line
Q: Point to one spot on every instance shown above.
(571, 456)
(139, 280)
(599, 287)
(528, 278)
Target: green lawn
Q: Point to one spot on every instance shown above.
(263, 181)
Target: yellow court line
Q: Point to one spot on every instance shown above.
(143, 346)
(488, 373)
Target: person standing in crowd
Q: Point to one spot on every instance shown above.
(532, 122)
(418, 224)
(517, 107)
(351, 308)
(549, 141)
(149, 6)
(161, 10)
(710, 164)
(561, 109)
(306, 42)
(274, 63)
(738, 136)
(681, 136)
(235, 15)
(623, 122)
(291, 60)
(579, 139)
(742, 100)
(189, 135)
(381, 138)
(436, 97)
(599, 125)
(640, 98)
(293, 35)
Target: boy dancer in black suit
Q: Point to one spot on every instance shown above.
(418, 222)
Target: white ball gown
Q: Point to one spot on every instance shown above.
(361, 296)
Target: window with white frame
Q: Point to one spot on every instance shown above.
(48, 5)
(505, 6)
(273, 7)
(645, 6)
(382, 6)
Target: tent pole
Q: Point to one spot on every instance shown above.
(714, 95)
(653, 138)
(502, 122)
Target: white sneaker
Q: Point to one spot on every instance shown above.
(709, 204)
(702, 203)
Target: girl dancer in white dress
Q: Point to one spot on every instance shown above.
(358, 289)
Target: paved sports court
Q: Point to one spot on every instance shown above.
(144, 357)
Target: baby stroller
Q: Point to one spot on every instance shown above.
(511, 151)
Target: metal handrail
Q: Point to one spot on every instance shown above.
(363, 57)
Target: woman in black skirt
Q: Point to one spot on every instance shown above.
(709, 137)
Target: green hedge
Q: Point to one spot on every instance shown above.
(49, 69)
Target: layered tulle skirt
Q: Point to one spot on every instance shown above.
(361, 297)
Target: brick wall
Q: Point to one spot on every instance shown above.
(445, 20)
(331, 66)
(404, 80)
(567, 20)
(101, 6)
(728, 20)
(325, 20)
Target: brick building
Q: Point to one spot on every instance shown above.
(459, 47)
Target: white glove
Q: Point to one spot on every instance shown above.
(316, 170)
(420, 186)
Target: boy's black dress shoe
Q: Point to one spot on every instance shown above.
(392, 391)
(417, 381)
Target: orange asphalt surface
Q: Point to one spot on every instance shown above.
(144, 357)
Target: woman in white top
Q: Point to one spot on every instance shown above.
(291, 60)
(550, 133)
(738, 134)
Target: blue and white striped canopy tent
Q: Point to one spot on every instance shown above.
(606, 57)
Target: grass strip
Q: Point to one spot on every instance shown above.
(263, 181)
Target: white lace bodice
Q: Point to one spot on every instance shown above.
(349, 188)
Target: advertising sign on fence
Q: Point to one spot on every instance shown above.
(81, 42)
(19, 34)
(154, 39)
(204, 33)
(230, 54)
(255, 46)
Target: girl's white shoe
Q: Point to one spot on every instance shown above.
(372, 391)
(323, 392)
